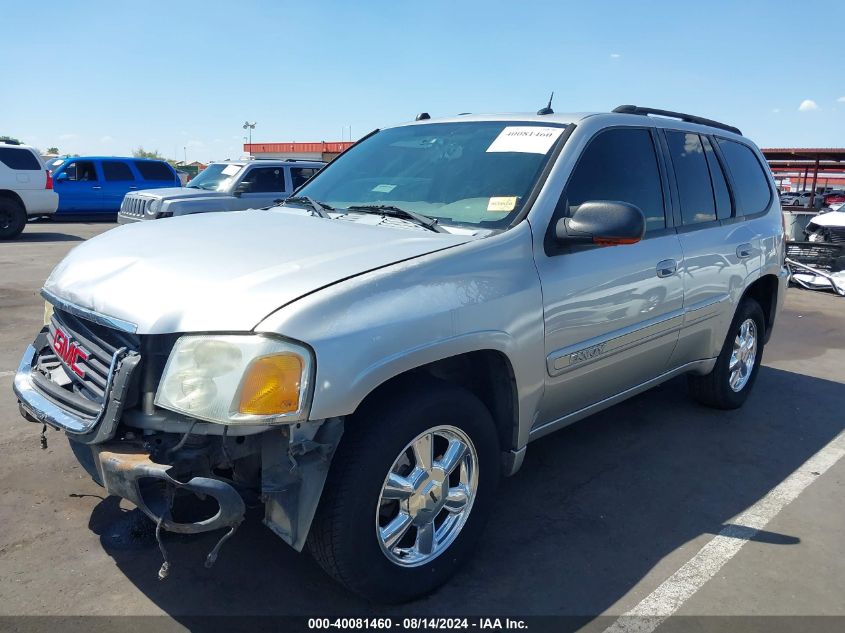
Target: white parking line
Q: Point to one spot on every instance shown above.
(3, 374)
(680, 586)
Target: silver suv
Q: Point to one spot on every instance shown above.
(369, 358)
(224, 186)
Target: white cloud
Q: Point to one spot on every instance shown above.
(106, 139)
(807, 105)
(69, 136)
(841, 99)
(194, 144)
(615, 56)
(776, 110)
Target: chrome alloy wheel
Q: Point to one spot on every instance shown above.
(743, 355)
(427, 496)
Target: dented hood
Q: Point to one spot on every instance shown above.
(225, 271)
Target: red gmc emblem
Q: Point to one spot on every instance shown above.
(69, 351)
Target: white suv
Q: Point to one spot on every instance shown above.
(26, 188)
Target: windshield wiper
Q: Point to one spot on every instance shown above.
(317, 208)
(397, 212)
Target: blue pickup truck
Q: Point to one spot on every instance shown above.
(95, 185)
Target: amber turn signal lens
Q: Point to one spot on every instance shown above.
(271, 385)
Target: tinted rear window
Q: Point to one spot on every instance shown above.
(18, 158)
(154, 170)
(300, 174)
(750, 182)
(720, 185)
(116, 171)
(693, 177)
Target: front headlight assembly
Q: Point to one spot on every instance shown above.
(237, 379)
(154, 206)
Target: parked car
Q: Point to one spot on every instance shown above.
(369, 357)
(224, 186)
(93, 185)
(827, 227)
(796, 199)
(835, 197)
(26, 188)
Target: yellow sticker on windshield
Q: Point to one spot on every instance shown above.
(502, 204)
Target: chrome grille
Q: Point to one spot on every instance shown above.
(79, 382)
(134, 206)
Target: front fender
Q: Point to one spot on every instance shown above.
(482, 295)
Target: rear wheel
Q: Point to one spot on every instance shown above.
(410, 489)
(12, 219)
(727, 386)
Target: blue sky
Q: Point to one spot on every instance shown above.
(105, 77)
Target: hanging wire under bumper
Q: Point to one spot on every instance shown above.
(121, 470)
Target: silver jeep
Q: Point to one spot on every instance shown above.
(223, 186)
(370, 357)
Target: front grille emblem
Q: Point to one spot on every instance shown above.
(69, 351)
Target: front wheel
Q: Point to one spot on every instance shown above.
(410, 488)
(727, 386)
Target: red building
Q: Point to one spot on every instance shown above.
(305, 151)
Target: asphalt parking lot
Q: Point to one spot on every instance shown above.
(602, 516)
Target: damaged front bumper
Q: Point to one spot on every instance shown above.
(122, 471)
(152, 458)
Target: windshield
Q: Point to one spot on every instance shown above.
(467, 173)
(215, 177)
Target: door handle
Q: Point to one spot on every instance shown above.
(667, 268)
(96, 188)
(743, 251)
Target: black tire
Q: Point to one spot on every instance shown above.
(343, 535)
(12, 219)
(714, 389)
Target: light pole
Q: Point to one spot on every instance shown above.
(250, 126)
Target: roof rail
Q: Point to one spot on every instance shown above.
(689, 118)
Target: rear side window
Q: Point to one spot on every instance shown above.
(154, 170)
(300, 174)
(116, 171)
(717, 177)
(693, 177)
(751, 186)
(19, 158)
(265, 179)
(620, 164)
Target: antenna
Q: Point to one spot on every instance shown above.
(548, 108)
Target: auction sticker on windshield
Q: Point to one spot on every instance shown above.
(525, 139)
(231, 170)
(501, 204)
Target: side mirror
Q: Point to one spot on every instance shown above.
(61, 177)
(604, 222)
(243, 187)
